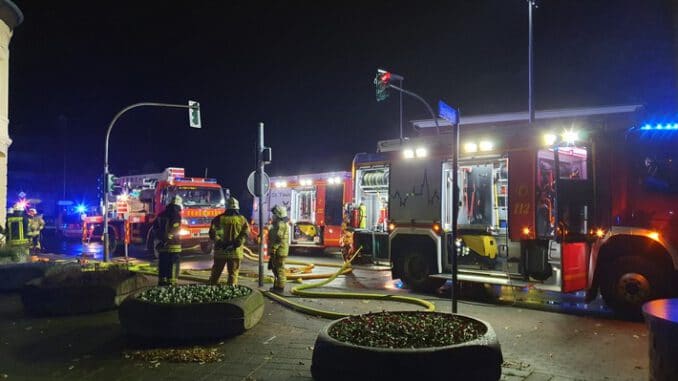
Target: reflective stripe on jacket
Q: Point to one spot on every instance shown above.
(279, 238)
(229, 234)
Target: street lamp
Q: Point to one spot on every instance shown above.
(192, 106)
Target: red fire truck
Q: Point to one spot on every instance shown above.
(315, 204)
(140, 198)
(582, 199)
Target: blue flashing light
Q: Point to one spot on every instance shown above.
(209, 180)
(81, 208)
(660, 127)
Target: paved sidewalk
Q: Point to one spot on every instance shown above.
(537, 345)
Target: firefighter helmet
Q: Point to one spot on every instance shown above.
(279, 211)
(232, 203)
(32, 212)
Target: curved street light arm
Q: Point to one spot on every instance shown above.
(422, 101)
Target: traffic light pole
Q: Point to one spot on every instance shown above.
(107, 254)
(422, 100)
(260, 189)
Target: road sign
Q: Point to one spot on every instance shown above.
(121, 207)
(448, 113)
(253, 186)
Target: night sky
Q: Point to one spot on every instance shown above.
(305, 69)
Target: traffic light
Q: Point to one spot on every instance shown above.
(110, 182)
(381, 82)
(194, 114)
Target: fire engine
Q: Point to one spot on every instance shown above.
(582, 199)
(315, 204)
(140, 198)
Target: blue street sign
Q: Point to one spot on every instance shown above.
(448, 113)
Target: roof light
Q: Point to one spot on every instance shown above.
(330, 180)
(338, 180)
(408, 153)
(281, 184)
(570, 136)
(550, 139)
(81, 208)
(421, 152)
(470, 147)
(486, 145)
(305, 182)
(660, 127)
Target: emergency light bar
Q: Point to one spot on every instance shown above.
(195, 180)
(660, 127)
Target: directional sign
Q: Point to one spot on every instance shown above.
(253, 185)
(448, 113)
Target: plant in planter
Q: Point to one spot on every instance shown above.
(407, 345)
(191, 312)
(74, 291)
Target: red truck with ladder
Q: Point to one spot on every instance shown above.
(140, 198)
(315, 205)
(582, 199)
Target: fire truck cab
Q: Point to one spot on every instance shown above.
(583, 199)
(315, 205)
(139, 199)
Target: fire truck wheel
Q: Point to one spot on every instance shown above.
(151, 243)
(630, 282)
(415, 273)
(206, 247)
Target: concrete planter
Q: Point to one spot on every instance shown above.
(661, 317)
(195, 321)
(14, 276)
(76, 292)
(479, 359)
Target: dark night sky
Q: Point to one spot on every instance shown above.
(306, 70)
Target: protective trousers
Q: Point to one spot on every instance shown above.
(278, 268)
(168, 266)
(233, 268)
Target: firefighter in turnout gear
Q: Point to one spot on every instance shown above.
(229, 233)
(279, 246)
(169, 248)
(35, 225)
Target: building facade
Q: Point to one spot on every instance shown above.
(10, 18)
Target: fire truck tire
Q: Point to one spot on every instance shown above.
(206, 247)
(151, 243)
(631, 281)
(416, 269)
(479, 359)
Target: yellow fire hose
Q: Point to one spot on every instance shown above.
(302, 291)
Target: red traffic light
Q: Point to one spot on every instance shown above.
(385, 78)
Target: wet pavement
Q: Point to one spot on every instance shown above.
(366, 277)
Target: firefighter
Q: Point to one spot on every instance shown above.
(229, 233)
(362, 213)
(169, 249)
(278, 244)
(35, 225)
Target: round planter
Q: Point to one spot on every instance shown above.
(478, 359)
(142, 319)
(75, 292)
(661, 317)
(14, 276)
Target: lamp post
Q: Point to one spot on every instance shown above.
(108, 134)
(530, 56)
